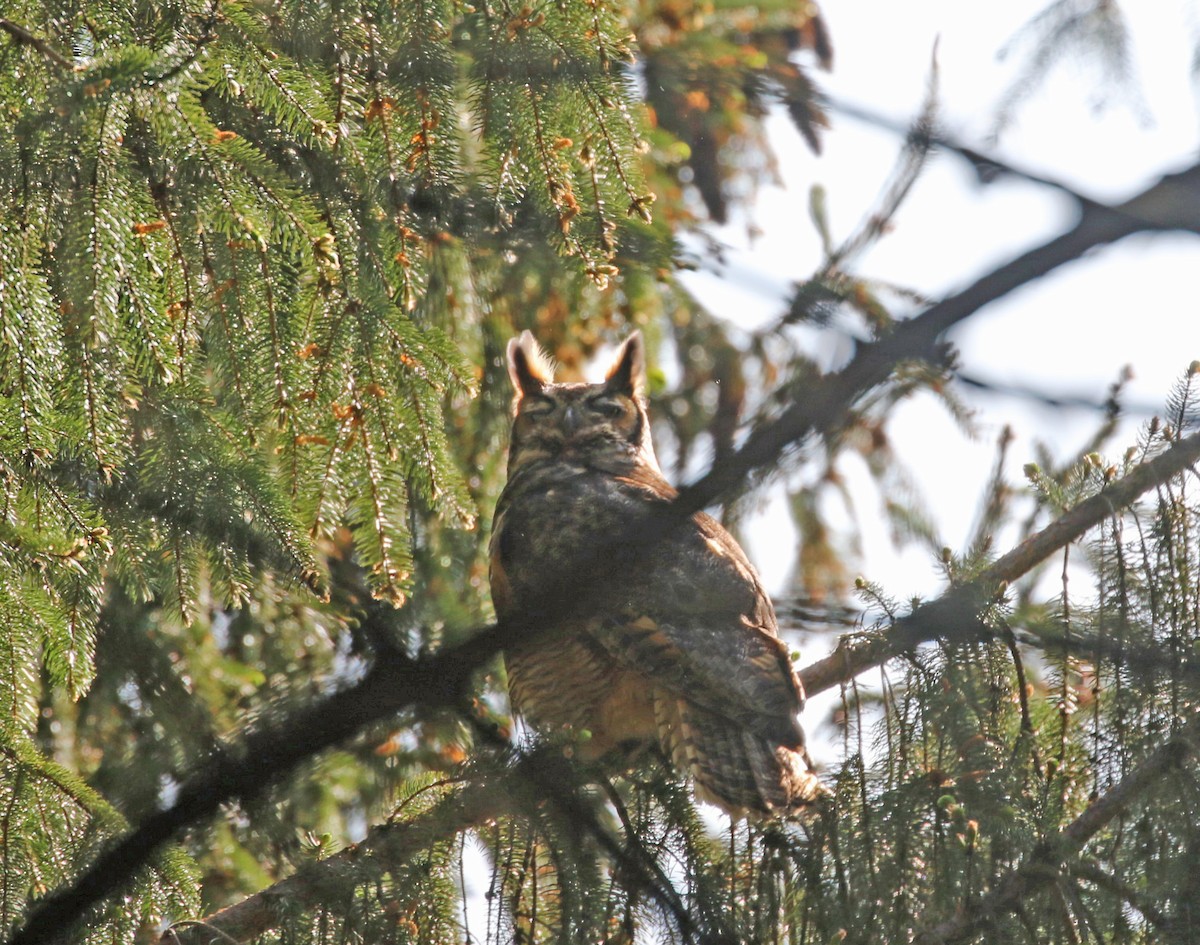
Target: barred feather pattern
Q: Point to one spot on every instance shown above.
(734, 769)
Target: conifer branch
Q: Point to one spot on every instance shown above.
(480, 799)
(385, 847)
(951, 614)
(266, 755)
(26, 38)
(1050, 855)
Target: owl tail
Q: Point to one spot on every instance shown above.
(739, 771)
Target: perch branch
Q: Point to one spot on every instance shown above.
(476, 803)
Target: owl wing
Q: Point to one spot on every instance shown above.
(699, 623)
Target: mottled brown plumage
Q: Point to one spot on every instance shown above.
(683, 652)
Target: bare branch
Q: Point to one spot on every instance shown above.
(951, 614)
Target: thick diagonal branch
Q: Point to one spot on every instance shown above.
(1173, 203)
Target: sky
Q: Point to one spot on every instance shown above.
(1068, 334)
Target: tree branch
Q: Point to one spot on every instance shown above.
(477, 801)
(26, 38)
(397, 682)
(946, 616)
(385, 847)
(1031, 876)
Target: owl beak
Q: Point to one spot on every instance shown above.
(572, 419)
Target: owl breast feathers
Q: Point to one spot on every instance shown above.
(681, 651)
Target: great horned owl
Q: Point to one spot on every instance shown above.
(683, 653)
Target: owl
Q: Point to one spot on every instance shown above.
(679, 654)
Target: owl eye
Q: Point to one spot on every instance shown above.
(535, 404)
(606, 407)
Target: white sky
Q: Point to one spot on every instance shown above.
(1133, 304)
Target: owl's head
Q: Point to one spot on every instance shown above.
(604, 424)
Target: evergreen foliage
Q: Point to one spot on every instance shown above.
(258, 262)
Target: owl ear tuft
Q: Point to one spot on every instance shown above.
(628, 373)
(528, 365)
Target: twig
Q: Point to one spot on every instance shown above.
(987, 166)
(1045, 398)
(26, 38)
(1091, 873)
